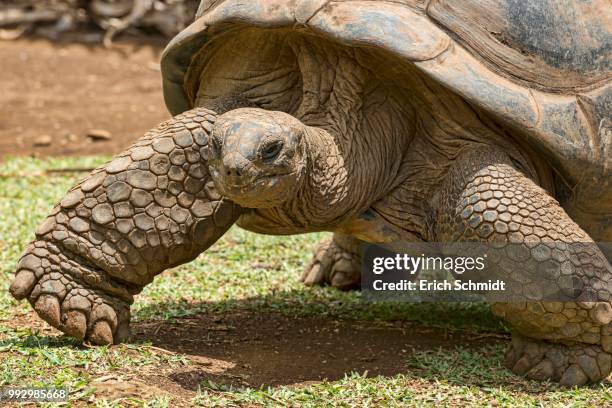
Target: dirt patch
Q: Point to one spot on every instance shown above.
(54, 94)
(250, 349)
(259, 349)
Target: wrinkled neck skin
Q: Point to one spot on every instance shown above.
(325, 193)
(353, 153)
(336, 186)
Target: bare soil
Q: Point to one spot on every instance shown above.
(60, 92)
(253, 349)
(250, 349)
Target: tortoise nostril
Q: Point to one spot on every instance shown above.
(233, 172)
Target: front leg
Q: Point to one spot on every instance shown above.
(151, 208)
(487, 198)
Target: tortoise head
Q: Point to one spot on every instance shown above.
(257, 157)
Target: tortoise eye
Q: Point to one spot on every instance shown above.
(272, 150)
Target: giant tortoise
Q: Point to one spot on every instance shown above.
(380, 121)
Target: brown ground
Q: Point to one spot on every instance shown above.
(253, 349)
(64, 91)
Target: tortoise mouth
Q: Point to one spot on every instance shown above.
(263, 191)
(255, 182)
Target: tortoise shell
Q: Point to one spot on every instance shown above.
(542, 68)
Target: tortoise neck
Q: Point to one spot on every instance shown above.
(336, 187)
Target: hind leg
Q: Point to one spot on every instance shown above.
(487, 199)
(336, 262)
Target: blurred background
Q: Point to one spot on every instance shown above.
(82, 77)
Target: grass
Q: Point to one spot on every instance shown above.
(245, 271)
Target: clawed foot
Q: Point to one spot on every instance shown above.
(568, 365)
(59, 290)
(333, 265)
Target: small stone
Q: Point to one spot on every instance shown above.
(99, 135)
(43, 141)
(71, 138)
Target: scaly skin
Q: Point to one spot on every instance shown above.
(485, 198)
(151, 208)
(336, 262)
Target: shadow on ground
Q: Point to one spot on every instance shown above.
(243, 343)
(270, 341)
